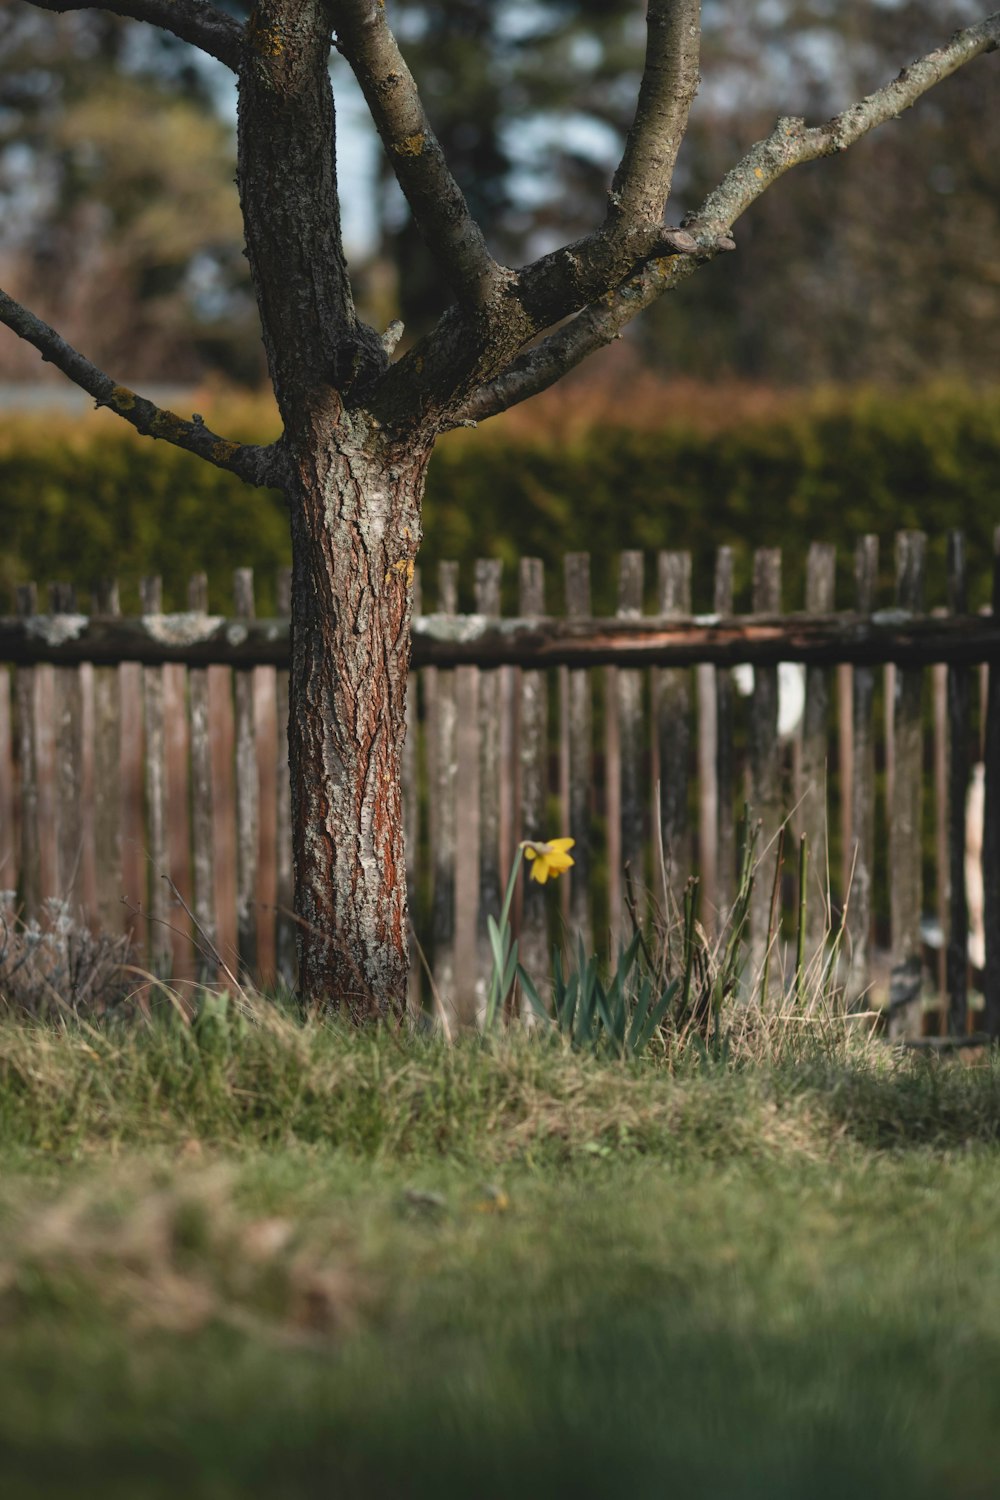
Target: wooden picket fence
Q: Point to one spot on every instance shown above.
(133, 749)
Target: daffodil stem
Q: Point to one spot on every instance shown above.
(495, 999)
(509, 894)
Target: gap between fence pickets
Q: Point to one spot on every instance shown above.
(55, 728)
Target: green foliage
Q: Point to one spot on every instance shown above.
(621, 1017)
(95, 501)
(89, 500)
(829, 469)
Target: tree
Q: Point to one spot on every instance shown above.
(359, 427)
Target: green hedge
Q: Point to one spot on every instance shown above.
(86, 499)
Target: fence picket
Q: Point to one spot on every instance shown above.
(860, 852)
(202, 848)
(107, 806)
(725, 868)
(265, 716)
(623, 754)
(135, 874)
(443, 773)
(533, 757)
(487, 603)
(820, 570)
(765, 777)
(157, 860)
(673, 729)
(991, 828)
(24, 697)
(284, 925)
(247, 788)
(410, 774)
(958, 694)
(577, 729)
(177, 760)
(68, 761)
(905, 858)
(708, 792)
(8, 799)
(222, 750)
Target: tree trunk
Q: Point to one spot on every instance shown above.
(355, 517)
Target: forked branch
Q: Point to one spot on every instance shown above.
(254, 464)
(790, 143)
(435, 198)
(194, 21)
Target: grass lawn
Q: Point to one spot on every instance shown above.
(242, 1260)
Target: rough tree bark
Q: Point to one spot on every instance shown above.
(355, 529)
(359, 427)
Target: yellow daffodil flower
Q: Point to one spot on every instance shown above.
(549, 859)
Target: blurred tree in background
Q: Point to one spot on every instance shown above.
(530, 103)
(858, 297)
(118, 215)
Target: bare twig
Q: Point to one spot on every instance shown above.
(254, 464)
(791, 142)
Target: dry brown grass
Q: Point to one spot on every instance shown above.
(173, 1251)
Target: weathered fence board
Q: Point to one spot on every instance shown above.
(991, 826)
(8, 798)
(410, 772)
(25, 677)
(812, 791)
(725, 869)
(107, 806)
(439, 687)
(533, 772)
(623, 726)
(673, 731)
(765, 765)
(155, 882)
(890, 635)
(247, 788)
(905, 858)
(487, 603)
(958, 706)
(578, 731)
(202, 844)
(284, 933)
(860, 846)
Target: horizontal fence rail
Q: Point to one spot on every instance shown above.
(441, 640)
(138, 748)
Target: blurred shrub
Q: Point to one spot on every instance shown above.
(87, 499)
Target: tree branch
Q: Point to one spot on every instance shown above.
(261, 466)
(435, 198)
(790, 143)
(194, 21)
(598, 324)
(670, 81)
(560, 283)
